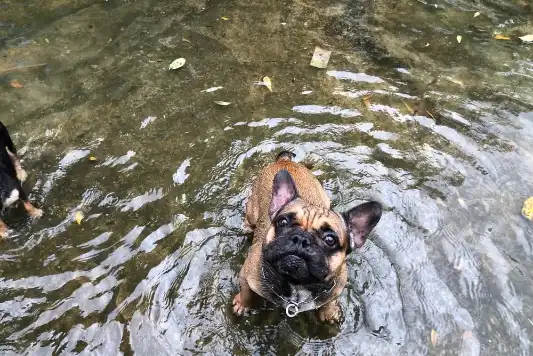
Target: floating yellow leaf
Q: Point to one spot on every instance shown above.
(92, 159)
(224, 18)
(459, 38)
(477, 14)
(527, 38)
(527, 210)
(16, 84)
(434, 337)
(79, 217)
(499, 36)
(268, 83)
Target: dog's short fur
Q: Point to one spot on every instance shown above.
(299, 248)
(11, 177)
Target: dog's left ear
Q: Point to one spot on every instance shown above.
(360, 221)
(283, 192)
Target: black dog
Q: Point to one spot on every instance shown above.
(11, 177)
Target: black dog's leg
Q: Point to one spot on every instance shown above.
(3, 230)
(21, 173)
(28, 206)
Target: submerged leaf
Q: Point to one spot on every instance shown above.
(410, 109)
(268, 83)
(210, 90)
(459, 38)
(467, 334)
(224, 18)
(79, 217)
(434, 337)
(178, 63)
(499, 36)
(222, 103)
(455, 81)
(367, 101)
(16, 84)
(527, 38)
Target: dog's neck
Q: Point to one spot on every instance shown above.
(282, 292)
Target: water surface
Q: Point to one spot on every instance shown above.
(439, 131)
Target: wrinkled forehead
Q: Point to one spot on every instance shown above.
(312, 217)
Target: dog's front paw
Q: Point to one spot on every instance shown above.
(246, 227)
(22, 175)
(3, 231)
(330, 312)
(36, 213)
(239, 308)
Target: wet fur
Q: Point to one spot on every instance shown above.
(293, 262)
(11, 177)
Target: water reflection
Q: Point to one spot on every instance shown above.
(439, 133)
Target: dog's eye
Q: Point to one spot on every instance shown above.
(282, 222)
(330, 239)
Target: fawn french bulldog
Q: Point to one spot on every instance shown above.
(298, 254)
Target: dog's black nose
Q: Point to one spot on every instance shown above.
(301, 240)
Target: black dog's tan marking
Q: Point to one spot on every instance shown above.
(11, 177)
(298, 253)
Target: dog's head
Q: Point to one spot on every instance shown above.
(308, 244)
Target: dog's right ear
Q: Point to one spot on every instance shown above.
(283, 192)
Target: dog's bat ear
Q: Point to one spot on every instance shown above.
(360, 221)
(283, 192)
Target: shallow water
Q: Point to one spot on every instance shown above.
(444, 142)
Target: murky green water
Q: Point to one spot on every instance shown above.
(443, 139)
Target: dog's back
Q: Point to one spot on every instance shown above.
(308, 187)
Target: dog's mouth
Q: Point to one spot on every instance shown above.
(298, 268)
(292, 266)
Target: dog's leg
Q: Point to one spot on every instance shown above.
(250, 216)
(247, 228)
(34, 212)
(243, 300)
(330, 312)
(12, 151)
(21, 173)
(3, 230)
